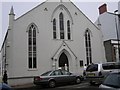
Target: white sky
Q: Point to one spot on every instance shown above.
(89, 8)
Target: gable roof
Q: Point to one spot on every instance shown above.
(63, 46)
(30, 10)
(4, 41)
(85, 15)
(60, 2)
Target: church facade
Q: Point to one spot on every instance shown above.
(50, 36)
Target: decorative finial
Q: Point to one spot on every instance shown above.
(12, 11)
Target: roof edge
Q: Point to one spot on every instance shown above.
(84, 15)
(30, 10)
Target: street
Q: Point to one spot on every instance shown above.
(83, 85)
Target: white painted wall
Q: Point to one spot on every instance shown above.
(119, 6)
(108, 25)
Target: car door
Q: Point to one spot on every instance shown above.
(57, 76)
(68, 77)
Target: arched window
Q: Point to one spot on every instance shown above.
(54, 29)
(88, 47)
(61, 21)
(68, 30)
(32, 58)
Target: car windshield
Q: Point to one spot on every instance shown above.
(46, 73)
(112, 80)
(93, 67)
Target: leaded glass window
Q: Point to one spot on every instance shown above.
(32, 58)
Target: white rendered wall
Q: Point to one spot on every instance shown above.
(108, 25)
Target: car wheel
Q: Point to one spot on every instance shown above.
(52, 84)
(78, 80)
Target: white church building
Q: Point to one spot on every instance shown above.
(50, 36)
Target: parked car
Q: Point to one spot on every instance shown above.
(112, 81)
(96, 72)
(4, 86)
(54, 77)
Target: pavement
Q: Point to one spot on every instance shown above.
(31, 85)
(23, 86)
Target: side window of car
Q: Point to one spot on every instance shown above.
(108, 66)
(57, 72)
(65, 73)
(53, 74)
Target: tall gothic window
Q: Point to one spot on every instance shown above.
(61, 21)
(54, 29)
(68, 30)
(32, 58)
(88, 47)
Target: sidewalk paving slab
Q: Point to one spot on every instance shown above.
(24, 86)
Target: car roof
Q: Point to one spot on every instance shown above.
(105, 63)
(116, 71)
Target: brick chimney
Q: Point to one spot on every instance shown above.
(102, 8)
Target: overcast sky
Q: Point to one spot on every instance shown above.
(90, 9)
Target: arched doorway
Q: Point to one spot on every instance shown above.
(63, 62)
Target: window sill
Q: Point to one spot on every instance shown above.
(33, 69)
(62, 40)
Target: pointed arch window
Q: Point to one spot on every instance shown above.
(68, 30)
(61, 22)
(54, 29)
(32, 58)
(88, 47)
